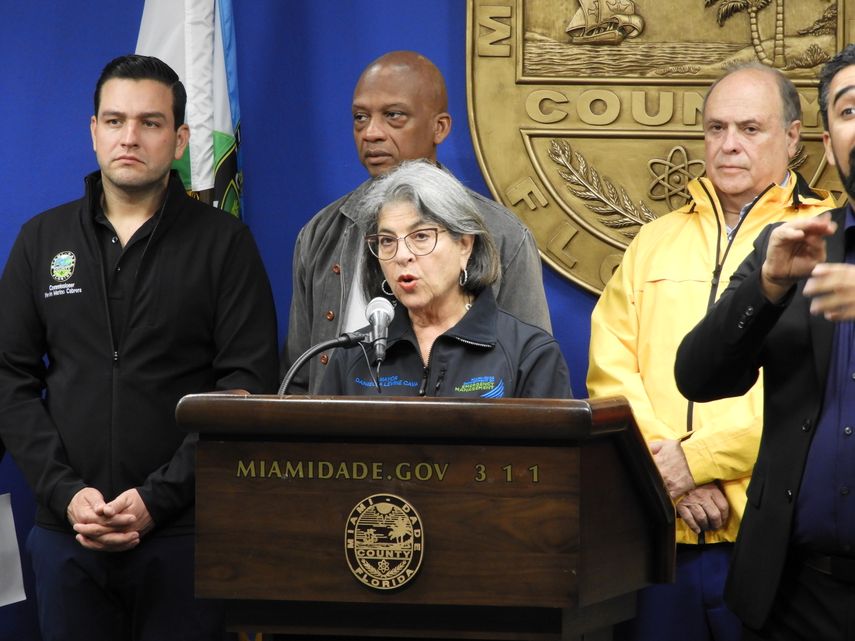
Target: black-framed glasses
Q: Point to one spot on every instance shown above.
(420, 242)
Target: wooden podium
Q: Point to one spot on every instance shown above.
(525, 518)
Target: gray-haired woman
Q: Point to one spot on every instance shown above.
(427, 248)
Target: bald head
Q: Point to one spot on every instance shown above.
(409, 68)
(790, 103)
(399, 111)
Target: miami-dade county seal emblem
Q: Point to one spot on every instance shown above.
(384, 541)
(62, 266)
(586, 114)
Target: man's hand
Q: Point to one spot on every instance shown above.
(671, 461)
(704, 508)
(831, 287)
(130, 502)
(795, 249)
(111, 527)
(85, 507)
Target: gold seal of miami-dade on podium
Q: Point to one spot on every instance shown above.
(384, 542)
(586, 114)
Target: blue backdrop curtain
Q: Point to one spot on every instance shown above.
(298, 61)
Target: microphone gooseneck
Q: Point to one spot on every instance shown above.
(348, 339)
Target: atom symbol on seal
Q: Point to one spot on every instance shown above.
(672, 176)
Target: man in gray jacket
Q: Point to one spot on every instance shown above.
(399, 113)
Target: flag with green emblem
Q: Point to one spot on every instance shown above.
(196, 38)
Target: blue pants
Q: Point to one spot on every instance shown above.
(144, 594)
(692, 608)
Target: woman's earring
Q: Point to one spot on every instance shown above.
(464, 277)
(383, 288)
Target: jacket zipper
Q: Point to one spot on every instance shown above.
(439, 382)
(425, 373)
(716, 279)
(114, 350)
(475, 343)
(424, 383)
(441, 376)
(719, 265)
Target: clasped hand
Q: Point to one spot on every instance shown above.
(109, 527)
(702, 507)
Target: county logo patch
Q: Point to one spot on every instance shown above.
(384, 541)
(62, 266)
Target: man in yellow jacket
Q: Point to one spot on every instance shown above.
(672, 272)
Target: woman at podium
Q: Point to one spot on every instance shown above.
(428, 252)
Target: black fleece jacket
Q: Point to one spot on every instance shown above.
(74, 411)
(488, 354)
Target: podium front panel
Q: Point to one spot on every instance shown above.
(499, 525)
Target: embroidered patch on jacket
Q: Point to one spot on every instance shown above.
(488, 385)
(62, 266)
(387, 381)
(61, 270)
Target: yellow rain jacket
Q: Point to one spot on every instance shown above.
(675, 268)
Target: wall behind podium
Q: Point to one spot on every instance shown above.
(298, 61)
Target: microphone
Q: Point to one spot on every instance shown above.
(379, 313)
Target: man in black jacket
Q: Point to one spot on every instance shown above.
(114, 307)
(790, 309)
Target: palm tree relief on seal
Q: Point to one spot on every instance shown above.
(593, 107)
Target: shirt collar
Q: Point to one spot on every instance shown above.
(783, 184)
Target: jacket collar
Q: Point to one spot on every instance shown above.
(351, 206)
(477, 327)
(792, 194)
(803, 191)
(174, 191)
(836, 243)
(821, 330)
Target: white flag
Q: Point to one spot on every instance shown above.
(11, 578)
(196, 39)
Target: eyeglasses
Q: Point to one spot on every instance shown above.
(420, 242)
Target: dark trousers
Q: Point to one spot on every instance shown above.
(144, 594)
(809, 606)
(692, 608)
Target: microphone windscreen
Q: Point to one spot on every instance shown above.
(379, 304)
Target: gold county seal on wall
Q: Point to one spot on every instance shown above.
(384, 541)
(586, 114)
